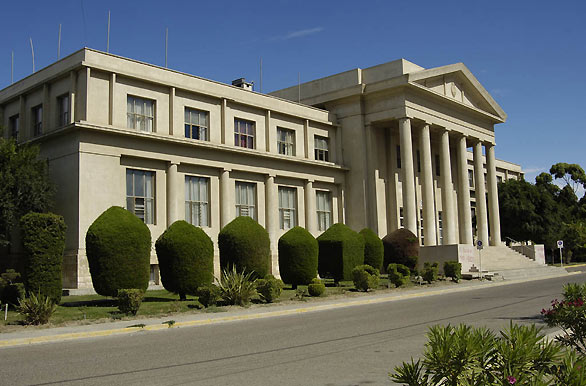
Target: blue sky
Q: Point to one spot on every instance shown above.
(530, 55)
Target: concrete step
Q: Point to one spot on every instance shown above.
(527, 273)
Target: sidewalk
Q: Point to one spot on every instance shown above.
(59, 334)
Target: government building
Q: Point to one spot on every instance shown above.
(386, 147)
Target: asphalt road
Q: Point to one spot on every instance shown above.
(350, 346)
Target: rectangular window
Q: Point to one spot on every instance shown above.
(63, 110)
(437, 165)
(499, 179)
(285, 141)
(401, 218)
(37, 120)
(324, 210)
(321, 148)
(197, 201)
(287, 207)
(14, 124)
(246, 199)
(471, 178)
(140, 194)
(140, 114)
(418, 162)
(244, 133)
(421, 235)
(398, 157)
(440, 226)
(196, 124)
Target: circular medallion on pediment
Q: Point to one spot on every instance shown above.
(454, 90)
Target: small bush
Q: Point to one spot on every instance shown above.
(11, 287)
(36, 309)
(430, 272)
(340, 250)
(365, 277)
(398, 274)
(401, 247)
(186, 258)
(245, 244)
(236, 288)
(270, 288)
(298, 253)
(208, 295)
(453, 269)
(373, 249)
(316, 287)
(129, 300)
(43, 238)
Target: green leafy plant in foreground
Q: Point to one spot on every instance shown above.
(36, 309)
(236, 288)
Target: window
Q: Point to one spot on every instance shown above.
(286, 141)
(421, 235)
(246, 199)
(196, 124)
(440, 226)
(154, 274)
(437, 165)
(197, 201)
(63, 110)
(398, 157)
(14, 124)
(140, 114)
(287, 207)
(244, 133)
(140, 194)
(471, 178)
(499, 179)
(324, 210)
(418, 162)
(401, 218)
(37, 115)
(321, 148)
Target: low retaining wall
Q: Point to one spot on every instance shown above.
(466, 254)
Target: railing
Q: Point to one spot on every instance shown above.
(525, 250)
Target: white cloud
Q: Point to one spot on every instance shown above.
(534, 170)
(299, 33)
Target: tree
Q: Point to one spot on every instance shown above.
(24, 185)
(572, 174)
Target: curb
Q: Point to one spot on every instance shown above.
(257, 315)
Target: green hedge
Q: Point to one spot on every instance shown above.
(11, 287)
(340, 250)
(373, 249)
(316, 287)
(430, 272)
(365, 277)
(245, 244)
(298, 253)
(118, 248)
(453, 269)
(43, 238)
(269, 288)
(186, 258)
(401, 247)
(398, 274)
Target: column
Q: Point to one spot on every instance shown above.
(46, 126)
(407, 175)
(481, 215)
(272, 217)
(24, 128)
(270, 137)
(449, 218)
(370, 199)
(224, 108)
(72, 94)
(466, 233)
(172, 110)
(493, 197)
(306, 139)
(111, 103)
(173, 195)
(392, 184)
(341, 203)
(427, 187)
(226, 194)
(310, 210)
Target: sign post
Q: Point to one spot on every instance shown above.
(479, 247)
(560, 247)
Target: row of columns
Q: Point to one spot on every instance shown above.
(450, 234)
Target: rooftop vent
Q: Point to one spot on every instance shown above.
(242, 83)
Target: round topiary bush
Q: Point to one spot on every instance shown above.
(340, 250)
(316, 287)
(298, 251)
(118, 248)
(365, 277)
(401, 247)
(186, 258)
(373, 249)
(43, 238)
(245, 244)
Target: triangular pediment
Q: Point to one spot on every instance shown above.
(456, 82)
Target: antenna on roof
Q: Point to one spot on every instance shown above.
(299, 87)
(166, 45)
(260, 86)
(33, 53)
(59, 44)
(108, 39)
(12, 68)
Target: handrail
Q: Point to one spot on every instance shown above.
(523, 246)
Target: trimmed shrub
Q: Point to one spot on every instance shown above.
(186, 258)
(208, 295)
(43, 238)
(298, 252)
(245, 244)
(398, 274)
(316, 287)
(401, 247)
(36, 308)
(340, 250)
(269, 288)
(118, 248)
(430, 272)
(373, 249)
(236, 288)
(453, 269)
(365, 277)
(11, 287)
(129, 300)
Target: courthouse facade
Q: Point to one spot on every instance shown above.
(384, 147)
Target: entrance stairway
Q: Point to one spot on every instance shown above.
(505, 263)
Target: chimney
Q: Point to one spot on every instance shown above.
(242, 83)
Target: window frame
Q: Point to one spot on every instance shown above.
(190, 204)
(287, 212)
(37, 119)
(149, 215)
(246, 207)
(324, 213)
(135, 117)
(287, 147)
(63, 107)
(471, 182)
(189, 126)
(249, 133)
(321, 153)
